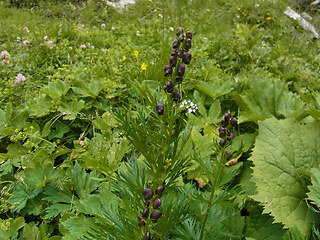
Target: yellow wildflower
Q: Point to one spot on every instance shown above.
(9, 55)
(239, 9)
(312, 3)
(144, 66)
(27, 30)
(136, 53)
(268, 18)
(123, 58)
(150, 0)
(208, 10)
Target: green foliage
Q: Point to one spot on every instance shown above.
(80, 137)
(283, 156)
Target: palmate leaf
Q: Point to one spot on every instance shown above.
(267, 98)
(21, 195)
(84, 183)
(284, 153)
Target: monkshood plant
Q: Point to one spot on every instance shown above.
(151, 185)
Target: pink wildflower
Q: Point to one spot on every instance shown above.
(5, 60)
(103, 25)
(26, 42)
(113, 28)
(82, 25)
(46, 38)
(50, 42)
(83, 46)
(19, 79)
(5, 54)
(26, 28)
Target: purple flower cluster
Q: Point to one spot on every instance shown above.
(225, 131)
(176, 68)
(149, 197)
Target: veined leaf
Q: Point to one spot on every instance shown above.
(265, 99)
(314, 194)
(285, 151)
(259, 226)
(57, 88)
(38, 176)
(215, 90)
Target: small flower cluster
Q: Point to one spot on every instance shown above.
(189, 106)
(148, 195)
(176, 68)
(5, 56)
(46, 38)
(19, 79)
(26, 29)
(26, 42)
(88, 45)
(225, 131)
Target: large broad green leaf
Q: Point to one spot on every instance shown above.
(314, 194)
(215, 89)
(284, 153)
(259, 226)
(267, 98)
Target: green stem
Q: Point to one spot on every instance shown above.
(214, 186)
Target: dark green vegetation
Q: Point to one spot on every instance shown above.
(87, 131)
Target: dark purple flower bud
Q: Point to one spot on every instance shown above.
(173, 61)
(231, 136)
(141, 222)
(189, 34)
(180, 53)
(186, 58)
(229, 132)
(167, 71)
(181, 37)
(179, 79)
(155, 215)
(227, 116)
(176, 96)
(233, 122)
(156, 203)
(222, 142)
(148, 192)
(175, 44)
(224, 123)
(181, 69)
(179, 31)
(147, 236)
(174, 52)
(159, 109)
(145, 213)
(222, 132)
(169, 87)
(229, 155)
(147, 203)
(159, 191)
(187, 44)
